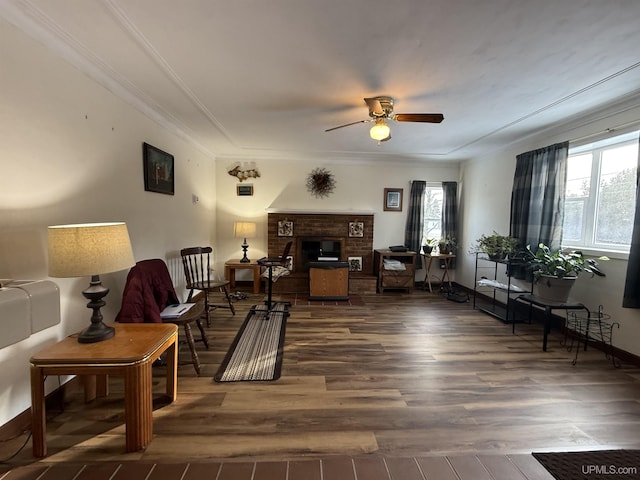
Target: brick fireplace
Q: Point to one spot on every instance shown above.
(339, 231)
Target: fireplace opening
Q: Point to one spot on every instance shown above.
(319, 249)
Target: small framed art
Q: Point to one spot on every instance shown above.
(285, 228)
(356, 229)
(355, 264)
(289, 263)
(393, 199)
(244, 190)
(158, 170)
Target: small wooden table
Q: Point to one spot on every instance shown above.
(129, 353)
(446, 257)
(231, 266)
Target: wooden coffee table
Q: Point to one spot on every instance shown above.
(129, 353)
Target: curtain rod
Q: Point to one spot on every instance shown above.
(428, 183)
(606, 130)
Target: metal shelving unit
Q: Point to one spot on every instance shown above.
(487, 269)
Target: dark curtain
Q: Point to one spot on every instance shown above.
(631, 298)
(537, 198)
(450, 213)
(415, 219)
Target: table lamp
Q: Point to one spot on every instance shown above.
(244, 230)
(90, 249)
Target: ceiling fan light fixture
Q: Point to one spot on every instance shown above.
(380, 130)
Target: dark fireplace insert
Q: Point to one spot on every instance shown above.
(318, 249)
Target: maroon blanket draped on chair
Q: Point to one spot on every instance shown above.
(149, 289)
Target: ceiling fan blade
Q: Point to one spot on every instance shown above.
(347, 125)
(374, 106)
(419, 117)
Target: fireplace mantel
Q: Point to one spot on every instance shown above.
(320, 212)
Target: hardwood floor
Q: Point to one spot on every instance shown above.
(402, 376)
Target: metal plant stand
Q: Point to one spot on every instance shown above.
(595, 326)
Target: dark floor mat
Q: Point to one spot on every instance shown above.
(592, 465)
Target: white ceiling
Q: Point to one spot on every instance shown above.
(264, 78)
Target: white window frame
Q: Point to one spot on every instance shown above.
(432, 186)
(590, 247)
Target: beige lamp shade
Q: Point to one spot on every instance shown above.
(244, 230)
(88, 249)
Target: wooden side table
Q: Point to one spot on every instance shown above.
(129, 353)
(394, 278)
(231, 266)
(446, 257)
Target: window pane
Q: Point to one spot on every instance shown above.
(432, 213)
(579, 175)
(573, 226)
(577, 190)
(616, 194)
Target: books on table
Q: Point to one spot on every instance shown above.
(176, 310)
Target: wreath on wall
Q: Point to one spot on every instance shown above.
(320, 182)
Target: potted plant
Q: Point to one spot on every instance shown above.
(447, 245)
(555, 272)
(428, 245)
(496, 246)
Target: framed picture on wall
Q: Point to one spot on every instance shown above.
(355, 264)
(244, 190)
(356, 229)
(393, 199)
(285, 228)
(158, 170)
(289, 263)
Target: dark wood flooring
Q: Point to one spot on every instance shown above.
(403, 385)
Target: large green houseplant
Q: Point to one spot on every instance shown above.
(555, 271)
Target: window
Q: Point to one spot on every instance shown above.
(432, 213)
(600, 194)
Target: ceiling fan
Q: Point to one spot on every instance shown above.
(380, 110)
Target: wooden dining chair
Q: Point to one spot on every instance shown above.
(197, 271)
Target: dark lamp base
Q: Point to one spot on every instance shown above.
(245, 247)
(96, 332)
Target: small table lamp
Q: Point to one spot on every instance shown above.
(90, 249)
(244, 230)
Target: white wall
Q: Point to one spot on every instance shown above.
(71, 152)
(486, 186)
